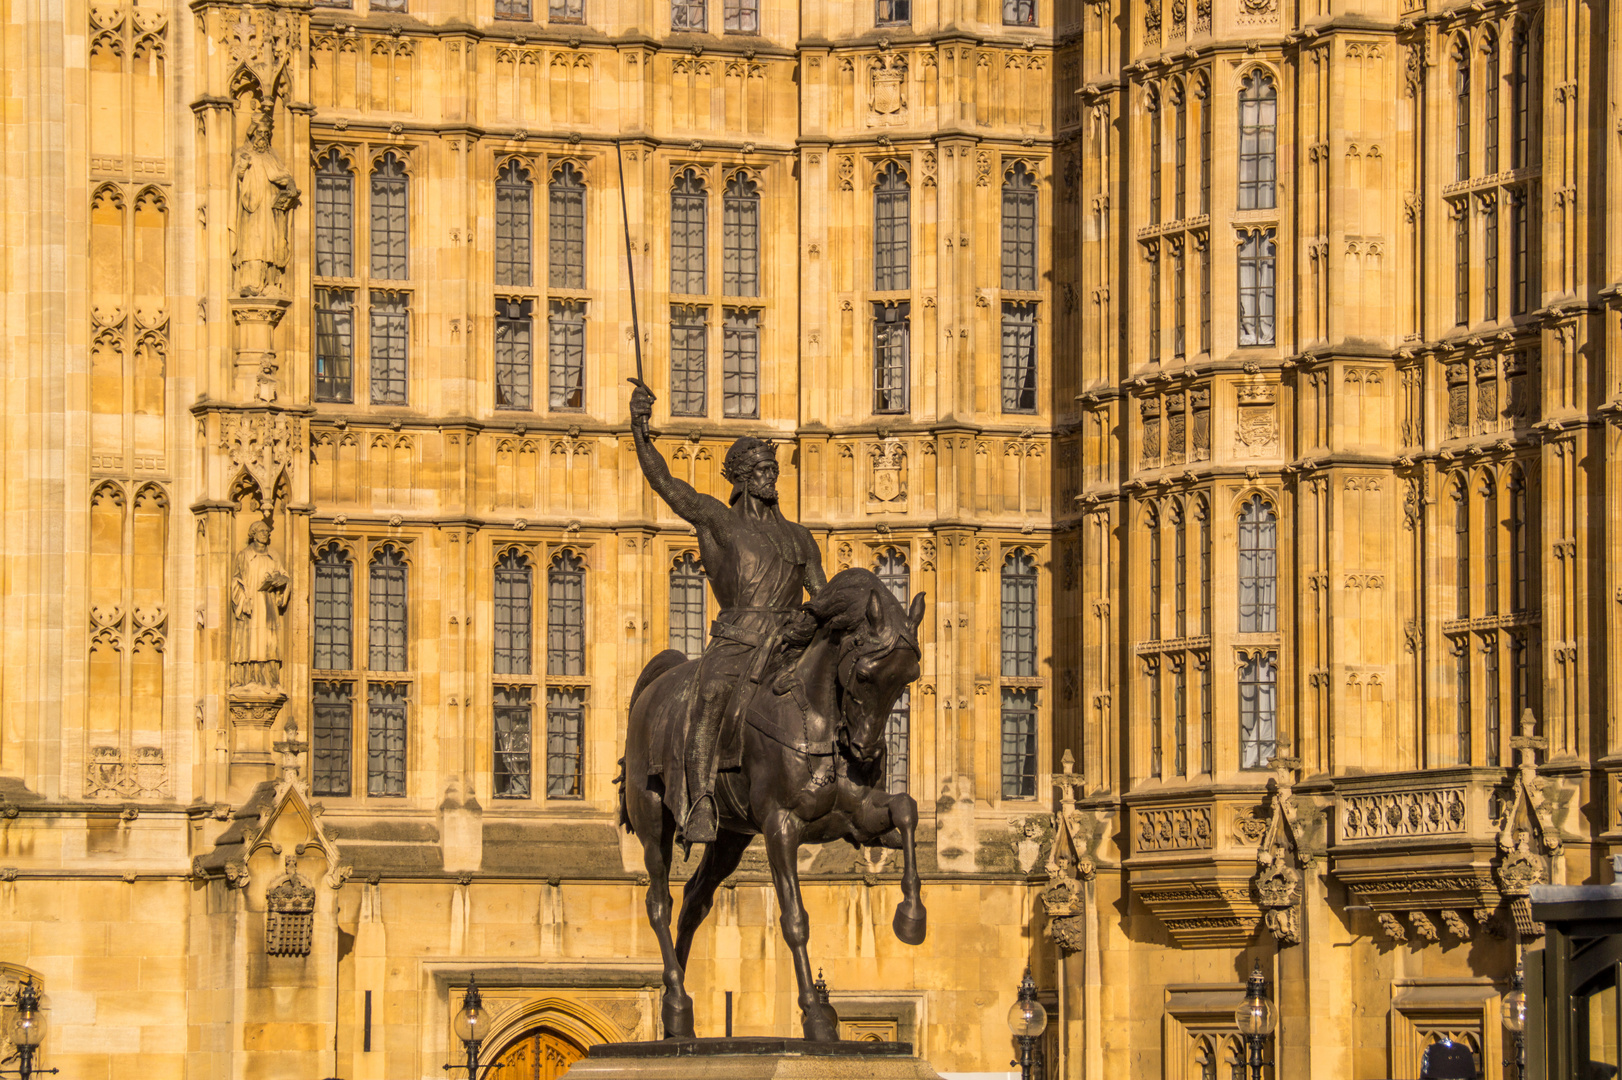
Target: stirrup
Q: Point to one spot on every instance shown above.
(700, 826)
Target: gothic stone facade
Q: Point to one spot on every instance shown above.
(1233, 377)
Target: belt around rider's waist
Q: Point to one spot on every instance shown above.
(725, 625)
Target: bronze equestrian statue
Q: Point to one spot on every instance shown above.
(807, 689)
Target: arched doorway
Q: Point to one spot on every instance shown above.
(538, 1054)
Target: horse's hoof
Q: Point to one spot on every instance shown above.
(678, 1017)
(911, 927)
(821, 1023)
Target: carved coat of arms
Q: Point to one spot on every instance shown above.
(889, 484)
(887, 87)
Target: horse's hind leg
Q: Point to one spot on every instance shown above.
(721, 857)
(657, 830)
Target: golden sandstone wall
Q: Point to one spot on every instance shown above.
(1233, 377)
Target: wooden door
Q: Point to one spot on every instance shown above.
(537, 1055)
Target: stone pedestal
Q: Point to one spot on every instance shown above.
(256, 320)
(752, 1059)
(252, 758)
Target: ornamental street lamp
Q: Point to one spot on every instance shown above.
(1514, 1012)
(471, 1024)
(1027, 1020)
(1256, 1017)
(25, 1027)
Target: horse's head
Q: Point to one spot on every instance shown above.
(876, 642)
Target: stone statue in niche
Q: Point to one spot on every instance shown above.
(266, 193)
(259, 595)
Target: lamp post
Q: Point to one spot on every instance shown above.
(471, 1024)
(1027, 1020)
(1514, 1012)
(25, 1027)
(1256, 1016)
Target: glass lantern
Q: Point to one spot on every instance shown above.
(472, 1021)
(1027, 1019)
(1256, 1016)
(26, 1020)
(1514, 1007)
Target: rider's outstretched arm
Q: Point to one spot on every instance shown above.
(678, 494)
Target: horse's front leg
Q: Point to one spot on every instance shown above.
(782, 834)
(895, 819)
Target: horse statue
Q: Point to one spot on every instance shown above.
(812, 771)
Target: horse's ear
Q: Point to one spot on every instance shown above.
(875, 611)
(915, 614)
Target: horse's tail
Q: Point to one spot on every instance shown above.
(656, 667)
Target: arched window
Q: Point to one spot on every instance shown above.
(1151, 666)
(1018, 743)
(386, 704)
(1489, 112)
(514, 586)
(892, 356)
(1258, 141)
(515, 353)
(893, 572)
(386, 625)
(892, 209)
(1521, 133)
(566, 615)
(512, 717)
(1519, 565)
(1018, 357)
(1258, 710)
(1019, 229)
(334, 217)
(389, 221)
(1180, 152)
(740, 238)
(565, 730)
(333, 610)
(1203, 91)
(689, 359)
(1205, 1061)
(1258, 568)
(1019, 615)
(566, 229)
(515, 199)
(687, 606)
(740, 363)
(1156, 157)
(566, 355)
(1179, 716)
(689, 215)
(1461, 661)
(1461, 109)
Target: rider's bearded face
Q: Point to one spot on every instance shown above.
(762, 481)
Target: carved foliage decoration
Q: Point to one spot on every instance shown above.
(1279, 861)
(262, 44)
(1437, 811)
(261, 445)
(1184, 828)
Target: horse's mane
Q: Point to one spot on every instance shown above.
(840, 607)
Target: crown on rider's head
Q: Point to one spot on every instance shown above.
(744, 455)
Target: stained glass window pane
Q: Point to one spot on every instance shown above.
(740, 238)
(566, 230)
(1018, 743)
(687, 607)
(565, 722)
(390, 313)
(892, 230)
(1019, 615)
(1258, 710)
(515, 377)
(331, 731)
(740, 364)
(1258, 136)
(688, 217)
(514, 222)
(389, 219)
(688, 15)
(511, 714)
(1018, 358)
(513, 616)
(741, 16)
(386, 627)
(1019, 230)
(334, 218)
(566, 616)
(689, 360)
(386, 739)
(332, 607)
(1258, 568)
(566, 355)
(334, 345)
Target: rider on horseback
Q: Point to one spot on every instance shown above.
(758, 563)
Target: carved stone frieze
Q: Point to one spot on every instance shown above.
(1423, 812)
